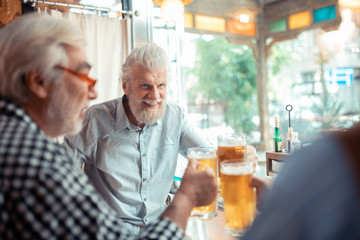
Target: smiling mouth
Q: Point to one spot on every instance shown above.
(152, 103)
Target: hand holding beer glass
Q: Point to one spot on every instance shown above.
(207, 157)
(239, 197)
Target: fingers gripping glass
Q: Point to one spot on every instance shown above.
(90, 81)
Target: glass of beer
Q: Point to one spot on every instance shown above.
(231, 146)
(239, 197)
(206, 156)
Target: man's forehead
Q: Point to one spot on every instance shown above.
(78, 56)
(143, 74)
(142, 68)
(74, 49)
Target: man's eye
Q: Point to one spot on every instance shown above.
(144, 86)
(162, 85)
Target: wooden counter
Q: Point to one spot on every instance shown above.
(273, 158)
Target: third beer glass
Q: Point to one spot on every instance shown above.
(207, 157)
(231, 147)
(239, 197)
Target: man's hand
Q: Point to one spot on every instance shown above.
(198, 188)
(262, 185)
(251, 155)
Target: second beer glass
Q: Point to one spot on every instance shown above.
(207, 158)
(239, 197)
(231, 146)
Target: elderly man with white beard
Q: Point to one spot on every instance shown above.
(129, 146)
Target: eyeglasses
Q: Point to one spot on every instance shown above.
(90, 81)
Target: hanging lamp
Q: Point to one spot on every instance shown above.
(172, 10)
(244, 11)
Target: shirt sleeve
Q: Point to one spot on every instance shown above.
(191, 136)
(162, 229)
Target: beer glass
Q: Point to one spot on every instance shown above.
(206, 156)
(231, 146)
(239, 197)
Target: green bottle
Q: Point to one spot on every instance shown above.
(277, 139)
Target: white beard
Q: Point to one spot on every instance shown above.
(145, 115)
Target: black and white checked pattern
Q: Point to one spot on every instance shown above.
(44, 196)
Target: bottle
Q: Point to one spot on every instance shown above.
(289, 140)
(277, 139)
(296, 144)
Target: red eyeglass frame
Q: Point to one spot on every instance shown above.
(90, 81)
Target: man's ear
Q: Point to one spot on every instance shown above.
(124, 86)
(36, 84)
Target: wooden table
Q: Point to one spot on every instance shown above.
(277, 157)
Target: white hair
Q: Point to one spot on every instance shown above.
(148, 55)
(34, 43)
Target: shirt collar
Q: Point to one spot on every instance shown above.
(122, 121)
(10, 108)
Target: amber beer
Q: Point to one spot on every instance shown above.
(231, 147)
(239, 197)
(207, 158)
(236, 153)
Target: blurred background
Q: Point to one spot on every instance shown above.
(237, 64)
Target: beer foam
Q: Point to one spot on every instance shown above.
(230, 143)
(199, 155)
(237, 170)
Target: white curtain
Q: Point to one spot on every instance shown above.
(107, 47)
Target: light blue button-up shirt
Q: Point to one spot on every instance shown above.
(133, 168)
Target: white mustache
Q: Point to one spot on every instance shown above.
(153, 102)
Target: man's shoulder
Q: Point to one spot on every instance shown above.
(101, 117)
(174, 108)
(107, 106)
(30, 143)
(103, 111)
(320, 149)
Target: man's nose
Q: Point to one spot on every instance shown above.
(154, 93)
(92, 93)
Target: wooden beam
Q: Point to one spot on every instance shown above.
(262, 86)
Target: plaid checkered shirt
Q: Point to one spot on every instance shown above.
(43, 195)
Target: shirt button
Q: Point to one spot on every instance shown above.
(144, 199)
(144, 179)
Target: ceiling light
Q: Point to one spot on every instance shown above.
(244, 10)
(172, 10)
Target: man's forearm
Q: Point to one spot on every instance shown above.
(179, 210)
